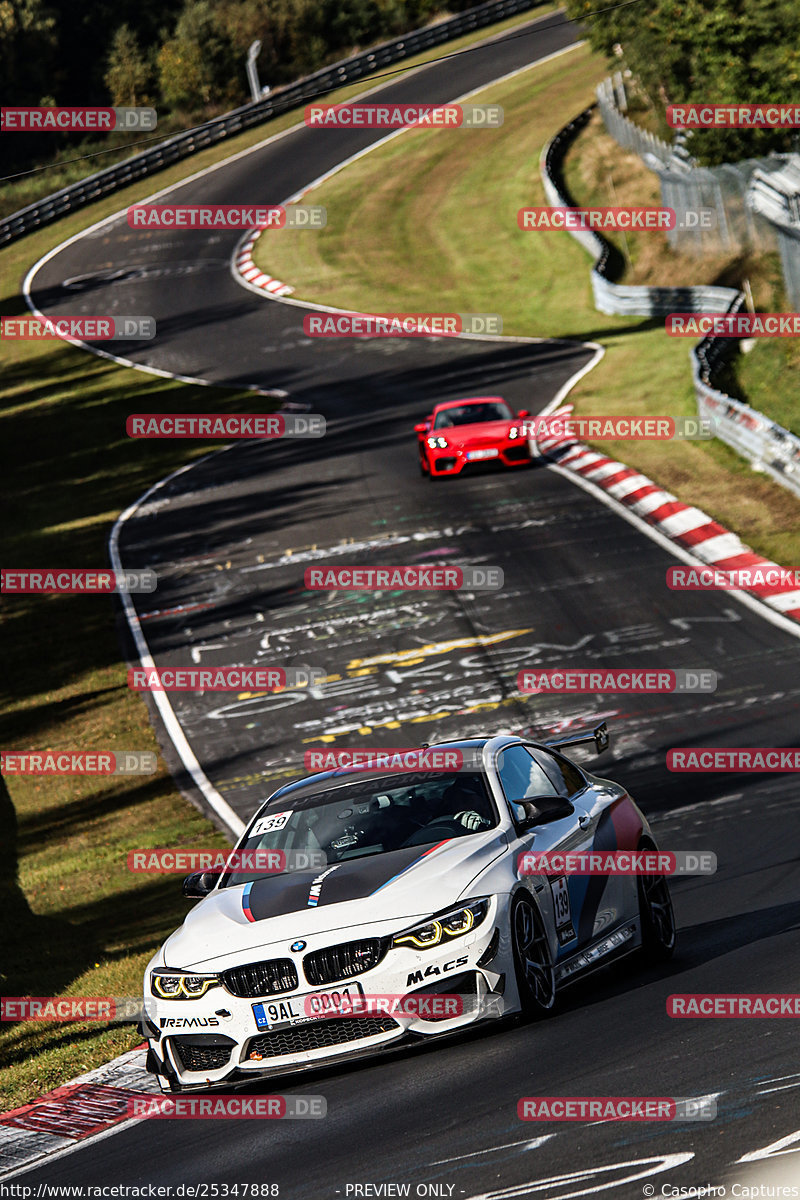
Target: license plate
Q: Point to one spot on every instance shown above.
(271, 1014)
(473, 454)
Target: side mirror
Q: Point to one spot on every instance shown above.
(538, 810)
(420, 429)
(523, 815)
(523, 412)
(199, 884)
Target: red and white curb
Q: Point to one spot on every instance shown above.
(244, 265)
(84, 1108)
(690, 528)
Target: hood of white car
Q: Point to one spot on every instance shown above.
(399, 886)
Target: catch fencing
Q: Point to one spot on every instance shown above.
(774, 194)
(685, 186)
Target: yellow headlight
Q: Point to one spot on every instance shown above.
(194, 985)
(168, 987)
(445, 928)
(458, 923)
(175, 986)
(425, 936)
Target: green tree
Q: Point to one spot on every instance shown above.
(128, 73)
(197, 66)
(692, 51)
(28, 50)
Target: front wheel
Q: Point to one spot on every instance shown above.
(657, 918)
(533, 961)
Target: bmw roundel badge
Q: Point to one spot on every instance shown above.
(297, 946)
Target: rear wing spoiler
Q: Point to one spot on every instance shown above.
(599, 735)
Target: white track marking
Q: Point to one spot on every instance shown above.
(526, 1144)
(652, 1166)
(209, 170)
(171, 723)
(224, 812)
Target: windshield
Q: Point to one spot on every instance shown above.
(472, 414)
(366, 817)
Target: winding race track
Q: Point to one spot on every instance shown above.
(230, 540)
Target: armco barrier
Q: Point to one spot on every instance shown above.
(172, 150)
(768, 446)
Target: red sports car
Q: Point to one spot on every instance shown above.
(460, 433)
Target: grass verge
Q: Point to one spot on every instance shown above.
(465, 194)
(75, 920)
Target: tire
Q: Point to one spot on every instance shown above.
(657, 917)
(533, 961)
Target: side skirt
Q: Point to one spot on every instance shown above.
(606, 949)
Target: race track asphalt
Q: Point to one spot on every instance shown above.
(230, 540)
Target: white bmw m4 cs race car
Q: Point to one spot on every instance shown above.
(421, 897)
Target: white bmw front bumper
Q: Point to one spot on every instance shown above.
(223, 1037)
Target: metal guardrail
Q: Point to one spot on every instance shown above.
(768, 446)
(172, 150)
